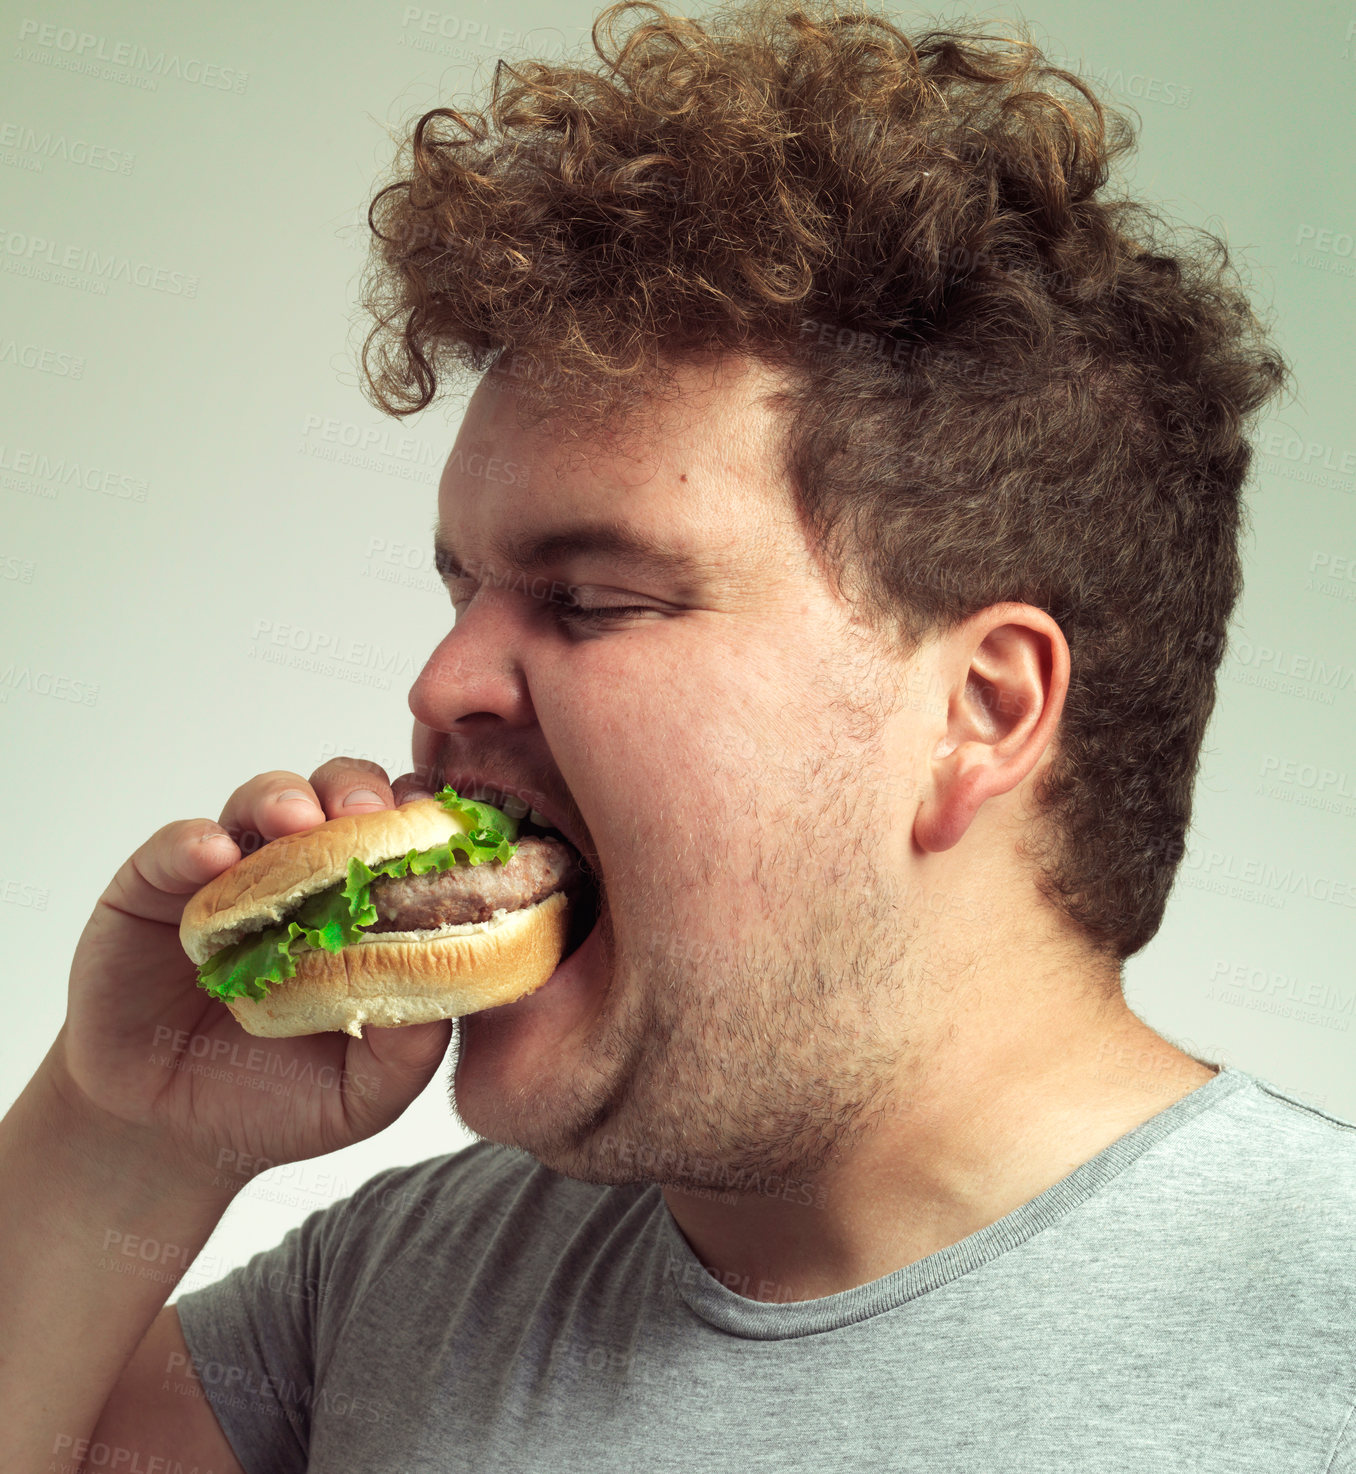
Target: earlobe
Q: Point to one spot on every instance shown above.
(1002, 716)
(948, 810)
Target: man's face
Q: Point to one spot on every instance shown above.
(741, 753)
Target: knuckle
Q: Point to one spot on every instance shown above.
(410, 785)
(421, 776)
(337, 769)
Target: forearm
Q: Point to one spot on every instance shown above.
(94, 1234)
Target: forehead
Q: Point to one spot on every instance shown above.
(705, 478)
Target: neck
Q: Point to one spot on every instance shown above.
(991, 1118)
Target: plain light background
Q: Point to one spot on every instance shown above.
(214, 556)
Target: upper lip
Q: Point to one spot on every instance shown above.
(471, 783)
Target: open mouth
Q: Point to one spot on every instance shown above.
(586, 893)
(585, 911)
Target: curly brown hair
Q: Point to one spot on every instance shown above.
(1001, 383)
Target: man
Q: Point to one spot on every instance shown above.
(873, 683)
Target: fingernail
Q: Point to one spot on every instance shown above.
(292, 795)
(361, 796)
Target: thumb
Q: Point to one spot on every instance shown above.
(389, 1067)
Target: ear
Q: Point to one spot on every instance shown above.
(1005, 671)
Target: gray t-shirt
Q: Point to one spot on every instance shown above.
(1183, 1301)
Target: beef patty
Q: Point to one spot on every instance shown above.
(465, 892)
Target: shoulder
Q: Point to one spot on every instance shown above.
(1261, 1190)
(456, 1235)
(478, 1181)
(437, 1185)
(473, 1175)
(483, 1200)
(1295, 1152)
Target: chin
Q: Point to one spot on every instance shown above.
(549, 1122)
(524, 1075)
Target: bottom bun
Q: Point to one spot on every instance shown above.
(412, 982)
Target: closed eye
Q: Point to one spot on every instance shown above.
(573, 615)
(596, 616)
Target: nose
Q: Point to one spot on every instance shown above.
(475, 672)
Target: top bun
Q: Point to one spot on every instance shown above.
(263, 888)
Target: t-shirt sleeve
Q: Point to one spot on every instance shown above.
(261, 1337)
(252, 1335)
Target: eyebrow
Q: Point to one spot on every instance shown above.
(532, 552)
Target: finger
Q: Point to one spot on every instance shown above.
(268, 806)
(410, 786)
(395, 1064)
(351, 785)
(178, 859)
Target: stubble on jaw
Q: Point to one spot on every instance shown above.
(770, 1051)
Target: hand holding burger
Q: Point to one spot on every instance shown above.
(156, 1076)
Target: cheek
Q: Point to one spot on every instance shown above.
(736, 700)
(655, 719)
(660, 734)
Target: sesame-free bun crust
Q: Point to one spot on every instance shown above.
(386, 978)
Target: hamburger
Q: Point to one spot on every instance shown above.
(441, 907)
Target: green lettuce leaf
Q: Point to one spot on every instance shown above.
(335, 918)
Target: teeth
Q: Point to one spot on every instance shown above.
(536, 817)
